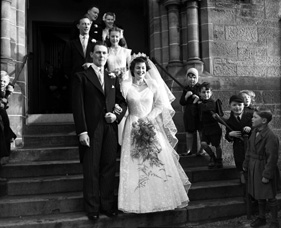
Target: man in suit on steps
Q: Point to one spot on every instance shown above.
(94, 95)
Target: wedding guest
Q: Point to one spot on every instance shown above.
(77, 51)
(118, 63)
(151, 178)
(210, 129)
(240, 123)
(109, 19)
(95, 30)
(189, 99)
(93, 100)
(261, 165)
(249, 99)
(6, 133)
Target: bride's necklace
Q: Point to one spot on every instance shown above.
(139, 83)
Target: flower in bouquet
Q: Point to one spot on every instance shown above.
(144, 141)
(118, 72)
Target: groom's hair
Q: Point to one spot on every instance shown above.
(100, 43)
(140, 59)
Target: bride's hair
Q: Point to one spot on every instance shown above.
(141, 59)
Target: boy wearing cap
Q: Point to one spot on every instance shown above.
(240, 122)
(261, 163)
(189, 99)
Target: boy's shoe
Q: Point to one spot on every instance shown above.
(219, 163)
(211, 163)
(187, 153)
(258, 222)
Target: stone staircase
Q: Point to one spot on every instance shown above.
(43, 187)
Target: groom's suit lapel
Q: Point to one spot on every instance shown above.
(108, 85)
(93, 78)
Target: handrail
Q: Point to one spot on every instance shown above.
(24, 60)
(162, 68)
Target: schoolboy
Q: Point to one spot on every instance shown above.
(240, 123)
(210, 130)
(261, 164)
(249, 99)
(189, 100)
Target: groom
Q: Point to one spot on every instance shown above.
(94, 95)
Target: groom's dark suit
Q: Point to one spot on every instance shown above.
(90, 104)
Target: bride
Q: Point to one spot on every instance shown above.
(151, 178)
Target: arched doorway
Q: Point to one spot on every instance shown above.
(49, 24)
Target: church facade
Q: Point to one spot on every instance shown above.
(235, 45)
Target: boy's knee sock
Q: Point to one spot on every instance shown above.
(262, 205)
(209, 151)
(273, 204)
(189, 141)
(219, 152)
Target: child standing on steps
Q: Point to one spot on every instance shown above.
(6, 133)
(240, 123)
(261, 164)
(249, 99)
(189, 100)
(210, 129)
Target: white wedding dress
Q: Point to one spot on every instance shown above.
(145, 187)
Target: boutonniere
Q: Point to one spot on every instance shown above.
(96, 25)
(112, 75)
(93, 40)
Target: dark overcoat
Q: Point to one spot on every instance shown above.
(190, 115)
(261, 161)
(238, 144)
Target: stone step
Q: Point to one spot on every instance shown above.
(79, 220)
(197, 211)
(44, 154)
(60, 153)
(45, 129)
(202, 174)
(50, 140)
(74, 183)
(215, 190)
(11, 206)
(39, 169)
(44, 185)
(62, 168)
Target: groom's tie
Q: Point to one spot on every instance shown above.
(100, 77)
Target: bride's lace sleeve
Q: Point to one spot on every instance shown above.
(157, 102)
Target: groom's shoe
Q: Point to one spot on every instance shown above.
(110, 213)
(93, 216)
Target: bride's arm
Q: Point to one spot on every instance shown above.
(157, 106)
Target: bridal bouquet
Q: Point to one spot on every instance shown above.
(144, 142)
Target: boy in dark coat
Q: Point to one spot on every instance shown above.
(189, 99)
(261, 164)
(240, 122)
(210, 129)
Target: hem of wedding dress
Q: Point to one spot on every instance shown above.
(183, 205)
